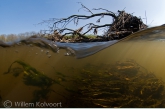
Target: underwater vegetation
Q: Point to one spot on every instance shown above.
(33, 77)
(124, 84)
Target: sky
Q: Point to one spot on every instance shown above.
(20, 16)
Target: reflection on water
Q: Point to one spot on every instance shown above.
(127, 74)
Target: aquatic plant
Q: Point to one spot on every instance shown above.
(124, 84)
(33, 77)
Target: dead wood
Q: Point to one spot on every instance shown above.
(123, 24)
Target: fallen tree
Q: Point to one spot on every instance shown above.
(123, 25)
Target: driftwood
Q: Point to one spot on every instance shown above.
(123, 25)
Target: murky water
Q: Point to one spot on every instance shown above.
(129, 73)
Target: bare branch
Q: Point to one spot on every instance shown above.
(65, 21)
(96, 26)
(74, 32)
(122, 25)
(103, 9)
(85, 8)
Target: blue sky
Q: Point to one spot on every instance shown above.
(19, 16)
